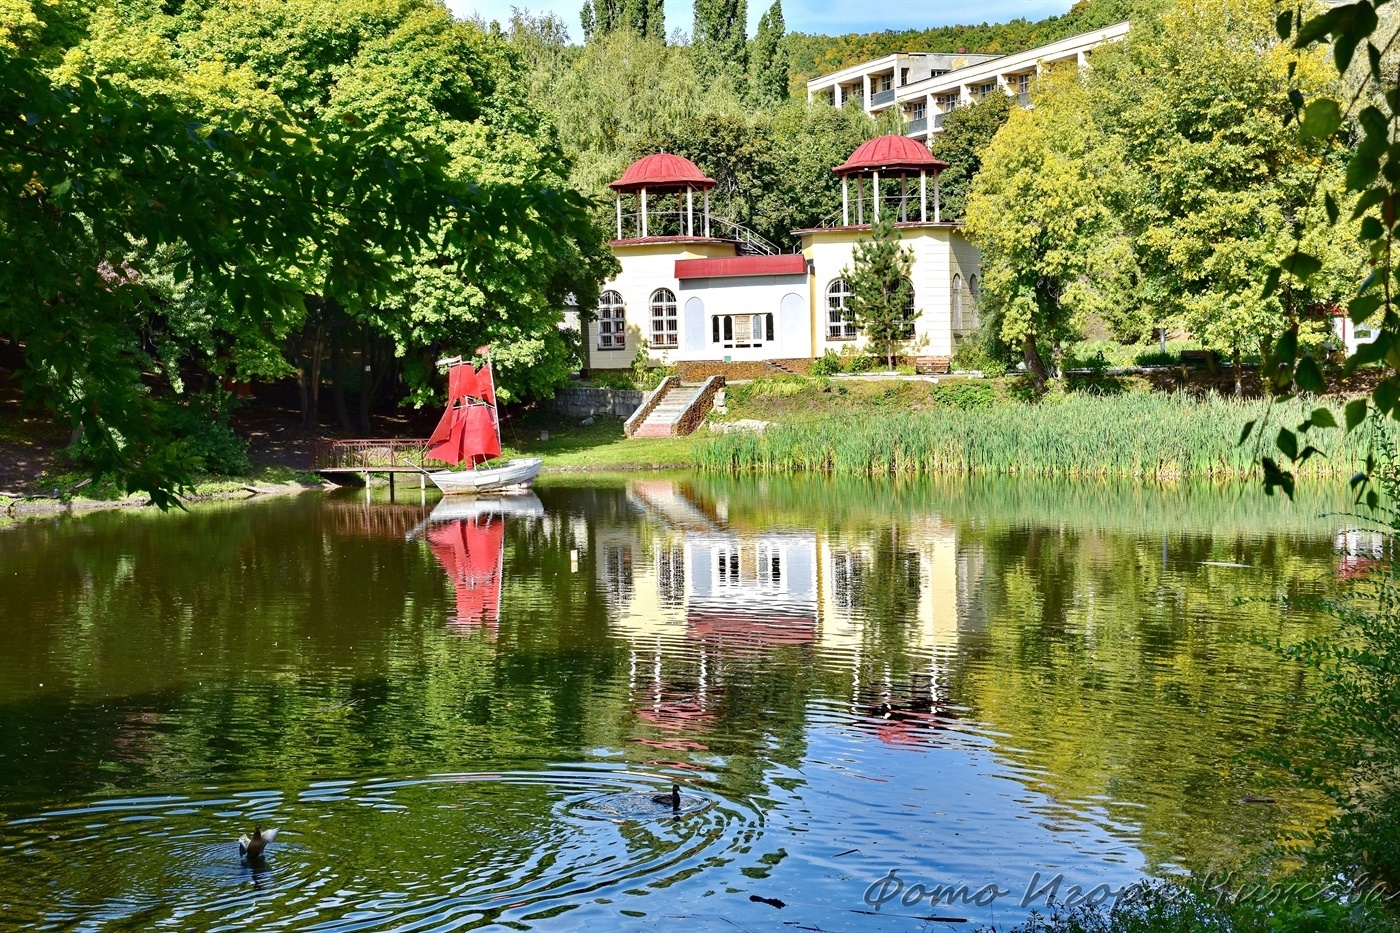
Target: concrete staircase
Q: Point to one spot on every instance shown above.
(662, 420)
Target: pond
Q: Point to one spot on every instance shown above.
(467, 713)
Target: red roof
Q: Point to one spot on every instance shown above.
(890, 153)
(662, 170)
(724, 267)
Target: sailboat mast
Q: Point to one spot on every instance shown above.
(491, 375)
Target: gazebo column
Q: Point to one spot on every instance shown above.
(644, 213)
(707, 213)
(936, 217)
(904, 198)
(923, 196)
(689, 212)
(875, 194)
(845, 202)
(619, 215)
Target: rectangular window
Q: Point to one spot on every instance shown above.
(919, 111)
(612, 329)
(1023, 84)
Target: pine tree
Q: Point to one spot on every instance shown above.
(721, 41)
(644, 17)
(882, 296)
(769, 58)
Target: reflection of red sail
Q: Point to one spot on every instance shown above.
(471, 553)
(468, 428)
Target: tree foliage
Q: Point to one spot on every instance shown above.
(768, 62)
(1039, 213)
(882, 294)
(719, 42)
(1356, 118)
(605, 17)
(967, 131)
(195, 189)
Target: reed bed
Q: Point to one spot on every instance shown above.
(1146, 436)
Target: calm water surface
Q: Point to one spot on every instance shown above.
(458, 714)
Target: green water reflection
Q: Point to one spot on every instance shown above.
(827, 662)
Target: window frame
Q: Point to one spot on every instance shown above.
(956, 303)
(612, 321)
(842, 320)
(665, 320)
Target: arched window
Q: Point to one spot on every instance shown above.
(839, 325)
(972, 319)
(665, 325)
(612, 322)
(957, 304)
(910, 315)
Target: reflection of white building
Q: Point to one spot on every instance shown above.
(929, 559)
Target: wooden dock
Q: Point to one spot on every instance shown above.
(364, 456)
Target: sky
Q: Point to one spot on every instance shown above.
(830, 17)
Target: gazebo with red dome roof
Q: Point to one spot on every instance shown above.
(663, 173)
(893, 156)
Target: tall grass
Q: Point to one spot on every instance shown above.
(1140, 435)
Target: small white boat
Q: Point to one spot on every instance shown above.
(516, 474)
(470, 432)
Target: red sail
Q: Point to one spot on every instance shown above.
(480, 442)
(467, 430)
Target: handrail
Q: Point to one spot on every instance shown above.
(368, 454)
(649, 405)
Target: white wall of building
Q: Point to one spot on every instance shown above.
(752, 297)
(940, 252)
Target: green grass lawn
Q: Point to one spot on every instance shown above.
(601, 445)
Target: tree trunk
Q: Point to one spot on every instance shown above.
(310, 378)
(342, 413)
(1034, 365)
(1239, 374)
(370, 381)
(889, 354)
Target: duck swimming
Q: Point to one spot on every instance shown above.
(673, 798)
(252, 848)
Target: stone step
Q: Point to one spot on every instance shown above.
(653, 430)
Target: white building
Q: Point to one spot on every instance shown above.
(709, 297)
(926, 86)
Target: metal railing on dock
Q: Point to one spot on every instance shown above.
(370, 455)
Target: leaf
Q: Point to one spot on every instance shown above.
(1286, 349)
(1248, 429)
(1362, 307)
(1284, 24)
(1329, 203)
(1355, 413)
(1323, 418)
(1287, 443)
(1367, 201)
(1271, 281)
(1362, 170)
(1321, 118)
(1302, 266)
(1309, 375)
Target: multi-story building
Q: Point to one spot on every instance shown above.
(925, 87)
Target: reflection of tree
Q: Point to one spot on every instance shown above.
(262, 645)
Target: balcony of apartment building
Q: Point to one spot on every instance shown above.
(927, 102)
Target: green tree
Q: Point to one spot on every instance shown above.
(720, 42)
(1215, 175)
(967, 132)
(1038, 212)
(882, 295)
(604, 17)
(768, 60)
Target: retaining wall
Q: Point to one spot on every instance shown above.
(585, 401)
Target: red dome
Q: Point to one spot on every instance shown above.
(890, 154)
(662, 170)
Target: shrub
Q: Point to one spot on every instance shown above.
(612, 379)
(828, 364)
(201, 426)
(973, 354)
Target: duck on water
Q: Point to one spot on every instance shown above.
(251, 847)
